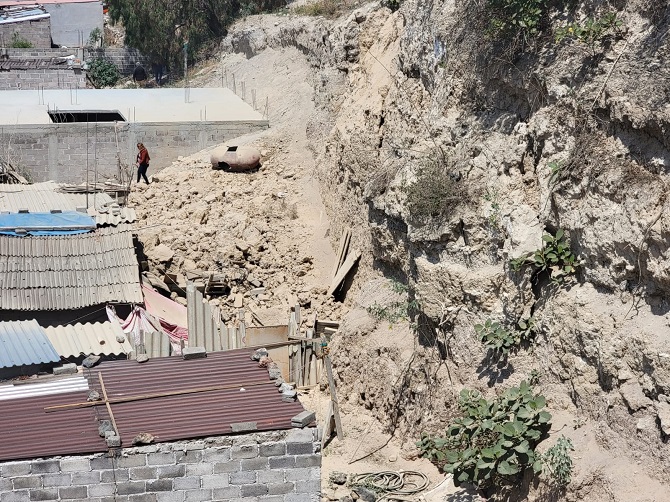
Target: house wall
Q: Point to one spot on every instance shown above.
(61, 152)
(44, 79)
(282, 466)
(37, 32)
(72, 23)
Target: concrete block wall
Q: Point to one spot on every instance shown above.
(37, 32)
(64, 152)
(45, 79)
(280, 466)
(123, 57)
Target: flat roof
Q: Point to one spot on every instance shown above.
(134, 105)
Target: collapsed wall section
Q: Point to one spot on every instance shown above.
(279, 466)
(66, 153)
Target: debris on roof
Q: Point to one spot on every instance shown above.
(24, 343)
(69, 271)
(104, 338)
(196, 398)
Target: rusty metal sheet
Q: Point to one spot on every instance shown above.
(27, 431)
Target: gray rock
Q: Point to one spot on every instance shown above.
(337, 478)
(364, 494)
(90, 361)
(94, 395)
(256, 356)
(634, 397)
(663, 414)
(142, 358)
(104, 427)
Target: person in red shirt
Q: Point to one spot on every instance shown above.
(142, 162)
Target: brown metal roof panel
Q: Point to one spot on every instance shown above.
(27, 431)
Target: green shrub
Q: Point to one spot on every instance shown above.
(494, 441)
(325, 8)
(558, 463)
(555, 257)
(516, 16)
(94, 37)
(590, 31)
(18, 42)
(394, 311)
(103, 73)
(502, 340)
(434, 193)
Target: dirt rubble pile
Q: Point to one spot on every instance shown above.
(237, 227)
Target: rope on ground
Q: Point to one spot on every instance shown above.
(392, 485)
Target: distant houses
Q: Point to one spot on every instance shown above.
(52, 23)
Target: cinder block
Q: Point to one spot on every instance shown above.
(254, 464)
(56, 480)
(272, 449)
(73, 492)
(216, 455)
(232, 466)
(189, 457)
(101, 490)
(143, 497)
(171, 471)
(162, 458)
(302, 474)
(27, 482)
(280, 488)
(189, 483)
(142, 473)
(270, 476)
(35, 495)
(170, 496)
(16, 469)
(66, 369)
(215, 481)
(300, 448)
(198, 469)
(43, 466)
(228, 493)
(255, 490)
(242, 478)
(308, 460)
(282, 462)
(308, 486)
(160, 485)
(244, 451)
(131, 487)
(114, 476)
(298, 497)
(101, 463)
(85, 478)
(132, 461)
(198, 495)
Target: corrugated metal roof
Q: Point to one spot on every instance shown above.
(44, 197)
(43, 388)
(98, 338)
(69, 272)
(23, 343)
(30, 432)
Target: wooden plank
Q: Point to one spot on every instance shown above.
(345, 239)
(109, 406)
(333, 397)
(344, 270)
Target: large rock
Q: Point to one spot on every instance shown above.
(161, 253)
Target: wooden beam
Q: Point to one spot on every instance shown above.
(109, 406)
(344, 270)
(333, 398)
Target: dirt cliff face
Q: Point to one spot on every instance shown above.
(519, 139)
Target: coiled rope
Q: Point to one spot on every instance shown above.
(391, 485)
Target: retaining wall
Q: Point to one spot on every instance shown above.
(61, 152)
(46, 79)
(37, 32)
(280, 466)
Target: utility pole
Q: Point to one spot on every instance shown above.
(186, 96)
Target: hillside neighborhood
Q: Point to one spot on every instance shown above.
(334, 250)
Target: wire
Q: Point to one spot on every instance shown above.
(391, 483)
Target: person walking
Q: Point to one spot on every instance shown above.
(142, 162)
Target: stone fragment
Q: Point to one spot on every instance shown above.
(264, 362)
(364, 494)
(259, 353)
(90, 361)
(66, 369)
(143, 438)
(161, 253)
(244, 426)
(337, 478)
(273, 371)
(634, 397)
(663, 414)
(142, 358)
(120, 338)
(104, 426)
(94, 395)
(193, 353)
(288, 396)
(114, 441)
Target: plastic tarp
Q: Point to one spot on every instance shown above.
(65, 223)
(164, 308)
